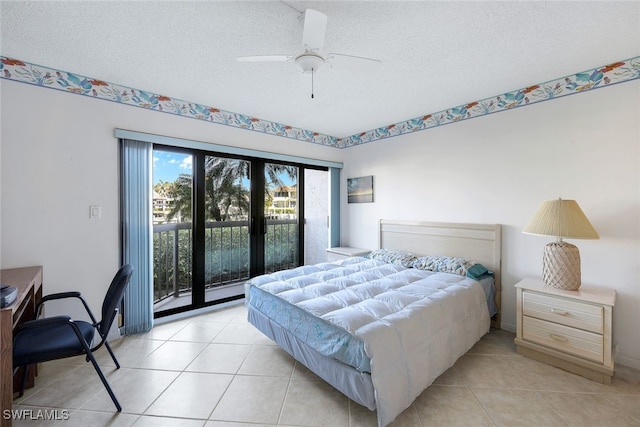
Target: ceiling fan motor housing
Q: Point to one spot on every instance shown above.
(309, 61)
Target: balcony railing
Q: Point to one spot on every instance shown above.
(226, 253)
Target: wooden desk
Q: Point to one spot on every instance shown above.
(28, 280)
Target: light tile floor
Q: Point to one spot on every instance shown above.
(216, 370)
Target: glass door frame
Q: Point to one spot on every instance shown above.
(257, 221)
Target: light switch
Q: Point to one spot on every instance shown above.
(95, 212)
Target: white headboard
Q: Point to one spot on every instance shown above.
(476, 242)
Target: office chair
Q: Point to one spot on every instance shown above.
(58, 337)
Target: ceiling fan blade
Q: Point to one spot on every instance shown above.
(315, 25)
(352, 61)
(265, 58)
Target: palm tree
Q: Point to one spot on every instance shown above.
(224, 189)
(163, 188)
(274, 172)
(180, 193)
(225, 194)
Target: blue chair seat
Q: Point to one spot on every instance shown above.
(37, 346)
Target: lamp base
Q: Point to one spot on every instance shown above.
(561, 266)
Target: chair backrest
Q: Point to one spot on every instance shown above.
(114, 296)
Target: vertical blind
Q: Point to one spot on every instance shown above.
(137, 236)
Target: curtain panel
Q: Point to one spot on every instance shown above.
(137, 235)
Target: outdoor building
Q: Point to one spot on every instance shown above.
(161, 208)
(284, 200)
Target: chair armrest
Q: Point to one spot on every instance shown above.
(62, 295)
(52, 297)
(45, 322)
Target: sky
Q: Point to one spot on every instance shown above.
(167, 166)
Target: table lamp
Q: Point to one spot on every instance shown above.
(561, 260)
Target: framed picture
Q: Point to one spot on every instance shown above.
(360, 190)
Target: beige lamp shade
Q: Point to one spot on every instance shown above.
(561, 218)
(561, 261)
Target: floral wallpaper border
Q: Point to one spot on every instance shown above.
(598, 77)
(20, 71)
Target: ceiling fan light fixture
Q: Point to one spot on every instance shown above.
(309, 61)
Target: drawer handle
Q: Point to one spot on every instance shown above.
(559, 312)
(560, 338)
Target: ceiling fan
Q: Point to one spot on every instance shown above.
(309, 61)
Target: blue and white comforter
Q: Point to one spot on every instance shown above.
(405, 326)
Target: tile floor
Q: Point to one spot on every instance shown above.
(216, 370)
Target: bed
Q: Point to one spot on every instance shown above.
(381, 329)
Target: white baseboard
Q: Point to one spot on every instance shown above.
(508, 326)
(628, 361)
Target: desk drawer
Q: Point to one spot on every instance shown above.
(580, 315)
(563, 338)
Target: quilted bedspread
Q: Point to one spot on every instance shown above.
(414, 323)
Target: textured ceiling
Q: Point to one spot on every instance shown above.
(434, 55)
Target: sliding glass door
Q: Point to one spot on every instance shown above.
(282, 237)
(218, 221)
(227, 204)
(172, 230)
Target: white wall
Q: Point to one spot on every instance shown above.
(316, 208)
(499, 169)
(59, 156)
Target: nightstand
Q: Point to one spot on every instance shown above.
(571, 330)
(342, 252)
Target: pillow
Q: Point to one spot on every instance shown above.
(392, 256)
(443, 264)
(479, 271)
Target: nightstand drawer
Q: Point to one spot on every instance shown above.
(580, 315)
(569, 340)
(334, 257)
